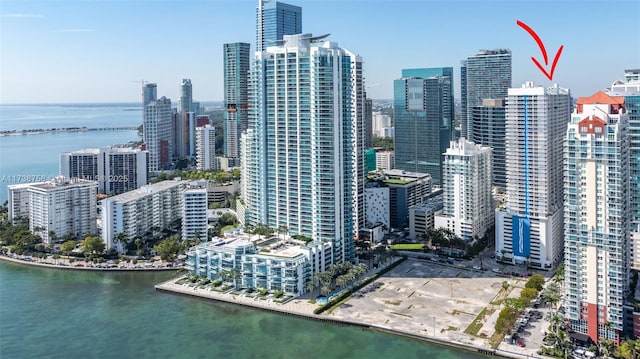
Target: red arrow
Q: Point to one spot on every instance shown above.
(544, 51)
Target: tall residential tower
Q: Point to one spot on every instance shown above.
(275, 19)
(236, 97)
(486, 75)
(529, 229)
(596, 217)
(302, 164)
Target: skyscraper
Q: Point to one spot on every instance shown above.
(630, 90)
(529, 229)
(274, 20)
(236, 98)
(467, 210)
(186, 96)
(158, 133)
(301, 162)
(487, 74)
(149, 93)
(206, 148)
(368, 123)
(424, 114)
(488, 130)
(596, 213)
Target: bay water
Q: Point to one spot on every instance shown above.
(56, 313)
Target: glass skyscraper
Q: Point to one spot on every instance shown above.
(236, 97)
(302, 154)
(274, 20)
(488, 130)
(630, 89)
(486, 75)
(424, 116)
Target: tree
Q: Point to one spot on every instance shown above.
(53, 236)
(168, 248)
(92, 245)
(528, 294)
(67, 247)
(536, 281)
(310, 286)
(122, 239)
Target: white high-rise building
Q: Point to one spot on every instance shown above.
(117, 170)
(158, 133)
(529, 228)
(206, 148)
(467, 207)
(597, 216)
(138, 213)
(303, 155)
(381, 124)
(59, 207)
(194, 211)
(385, 160)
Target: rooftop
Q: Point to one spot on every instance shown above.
(147, 190)
(62, 182)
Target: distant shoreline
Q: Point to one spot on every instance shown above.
(41, 131)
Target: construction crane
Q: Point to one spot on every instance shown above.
(372, 85)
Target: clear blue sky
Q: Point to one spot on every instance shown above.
(95, 51)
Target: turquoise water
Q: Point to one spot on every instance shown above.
(53, 313)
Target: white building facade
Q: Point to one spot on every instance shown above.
(137, 213)
(377, 203)
(529, 229)
(303, 155)
(385, 160)
(597, 216)
(117, 170)
(60, 206)
(206, 148)
(194, 211)
(467, 207)
(158, 133)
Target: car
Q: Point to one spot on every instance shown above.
(477, 267)
(521, 343)
(496, 270)
(493, 256)
(450, 261)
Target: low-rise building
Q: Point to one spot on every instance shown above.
(422, 215)
(274, 264)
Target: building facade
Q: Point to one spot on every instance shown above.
(377, 202)
(138, 213)
(236, 95)
(158, 133)
(468, 210)
(274, 20)
(596, 214)
(117, 170)
(304, 157)
(629, 88)
(488, 123)
(56, 208)
(422, 215)
(486, 75)
(406, 189)
(206, 148)
(186, 96)
(194, 211)
(529, 227)
(424, 119)
(285, 265)
(385, 160)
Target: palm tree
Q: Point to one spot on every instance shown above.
(310, 286)
(325, 289)
(122, 239)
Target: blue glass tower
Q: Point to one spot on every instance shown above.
(424, 119)
(274, 20)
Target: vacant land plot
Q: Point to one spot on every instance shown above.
(432, 299)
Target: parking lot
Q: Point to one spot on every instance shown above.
(435, 299)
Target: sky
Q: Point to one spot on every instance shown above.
(100, 51)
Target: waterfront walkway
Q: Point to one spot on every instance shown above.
(63, 263)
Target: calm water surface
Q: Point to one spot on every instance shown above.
(54, 313)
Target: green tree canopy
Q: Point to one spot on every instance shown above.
(92, 245)
(67, 247)
(536, 281)
(168, 248)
